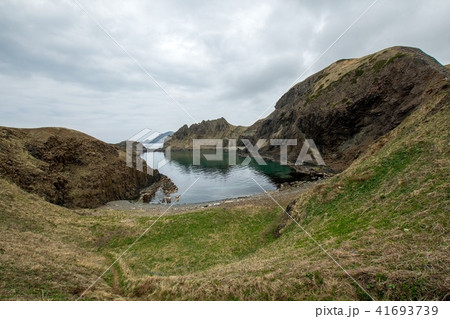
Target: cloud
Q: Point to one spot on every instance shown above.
(216, 58)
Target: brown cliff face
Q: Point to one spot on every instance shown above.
(348, 105)
(68, 168)
(212, 129)
(343, 108)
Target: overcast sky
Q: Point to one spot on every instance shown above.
(215, 58)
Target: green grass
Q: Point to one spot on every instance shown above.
(384, 219)
(45, 250)
(379, 65)
(391, 209)
(183, 244)
(382, 63)
(395, 57)
(357, 74)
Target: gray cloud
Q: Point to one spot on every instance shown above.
(231, 59)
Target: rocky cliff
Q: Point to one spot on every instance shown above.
(343, 108)
(212, 129)
(348, 105)
(68, 168)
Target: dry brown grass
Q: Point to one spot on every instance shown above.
(45, 250)
(401, 234)
(385, 220)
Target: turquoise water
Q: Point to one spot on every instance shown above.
(217, 180)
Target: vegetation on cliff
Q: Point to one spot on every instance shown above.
(384, 219)
(211, 129)
(68, 168)
(344, 108)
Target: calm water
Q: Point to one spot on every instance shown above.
(217, 179)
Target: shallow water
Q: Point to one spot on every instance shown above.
(217, 179)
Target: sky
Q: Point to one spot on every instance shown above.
(112, 68)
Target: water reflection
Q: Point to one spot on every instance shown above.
(217, 179)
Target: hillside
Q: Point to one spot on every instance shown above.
(343, 108)
(350, 104)
(159, 139)
(67, 167)
(212, 129)
(46, 251)
(384, 218)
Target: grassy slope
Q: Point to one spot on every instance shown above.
(44, 249)
(179, 246)
(385, 219)
(387, 215)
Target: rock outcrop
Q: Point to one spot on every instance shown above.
(68, 168)
(211, 129)
(343, 108)
(348, 105)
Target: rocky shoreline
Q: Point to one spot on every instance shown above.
(284, 195)
(165, 185)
